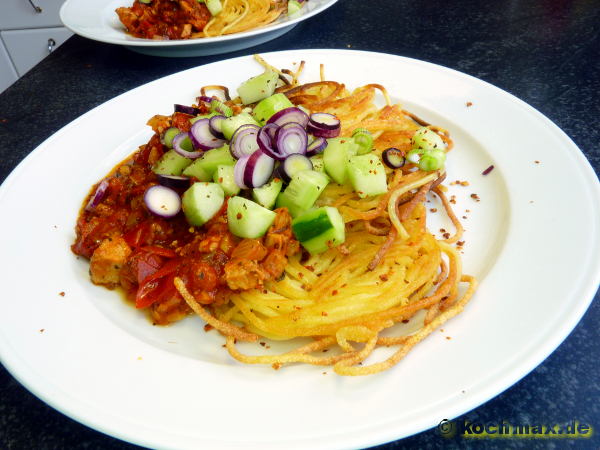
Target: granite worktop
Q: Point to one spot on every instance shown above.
(546, 53)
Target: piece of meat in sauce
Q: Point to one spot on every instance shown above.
(107, 260)
(255, 261)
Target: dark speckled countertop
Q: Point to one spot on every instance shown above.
(545, 52)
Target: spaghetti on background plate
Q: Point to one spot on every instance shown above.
(292, 210)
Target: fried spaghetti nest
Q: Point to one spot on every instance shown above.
(389, 270)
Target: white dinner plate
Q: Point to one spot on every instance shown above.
(98, 20)
(532, 240)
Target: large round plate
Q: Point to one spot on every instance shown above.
(99, 361)
(97, 20)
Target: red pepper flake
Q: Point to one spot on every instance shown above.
(311, 268)
(448, 337)
(42, 330)
(536, 161)
(300, 275)
(446, 235)
(383, 277)
(263, 343)
(208, 327)
(324, 313)
(469, 104)
(433, 210)
(238, 216)
(464, 217)
(334, 292)
(460, 243)
(62, 294)
(442, 230)
(405, 321)
(475, 197)
(488, 170)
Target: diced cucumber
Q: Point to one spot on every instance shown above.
(266, 195)
(225, 178)
(367, 175)
(302, 192)
(427, 139)
(171, 163)
(293, 7)
(319, 229)
(204, 167)
(258, 87)
(203, 116)
(201, 202)
(168, 136)
(318, 164)
(335, 157)
(214, 6)
(269, 106)
(248, 219)
(229, 125)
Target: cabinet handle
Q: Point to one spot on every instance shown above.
(35, 7)
(51, 45)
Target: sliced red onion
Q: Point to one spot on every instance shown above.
(316, 146)
(181, 143)
(174, 181)
(292, 165)
(392, 157)
(258, 170)
(238, 171)
(291, 114)
(266, 141)
(98, 196)
(324, 120)
(204, 98)
(201, 136)
(187, 109)
(244, 140)
(162, 201)
(291, 138)
(322, 132)
(215, 123)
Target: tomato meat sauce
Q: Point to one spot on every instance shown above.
(164, 19)
(131, 248)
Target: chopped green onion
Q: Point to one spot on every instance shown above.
(363, 139)
(432, 160)
(414, 155)
(221, 108)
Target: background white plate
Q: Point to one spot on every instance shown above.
(98, 20)
(99, 361)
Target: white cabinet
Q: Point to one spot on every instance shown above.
(29, 31)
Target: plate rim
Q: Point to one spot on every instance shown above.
(587, 291)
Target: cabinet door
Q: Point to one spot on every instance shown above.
(29, 47)
(16, 14)
(8, 75)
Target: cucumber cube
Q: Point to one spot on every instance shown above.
(319, 229)
(225, 178)
(247, 219)
(201, 202)
(259, 87)
(367, 175)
